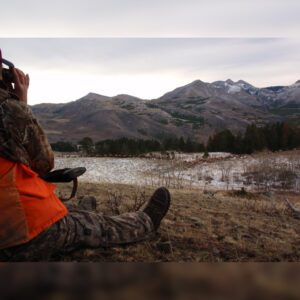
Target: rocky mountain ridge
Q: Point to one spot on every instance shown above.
(195, 110)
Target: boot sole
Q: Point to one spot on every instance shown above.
(167, 197)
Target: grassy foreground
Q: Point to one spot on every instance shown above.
(201, 226)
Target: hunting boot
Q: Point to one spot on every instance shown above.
(158, 206)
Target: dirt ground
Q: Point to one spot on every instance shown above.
(201, 226)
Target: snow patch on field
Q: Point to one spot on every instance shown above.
(113, 170)
(219, 171)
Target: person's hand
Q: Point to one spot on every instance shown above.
(21, 82)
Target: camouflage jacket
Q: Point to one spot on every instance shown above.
(21, 137)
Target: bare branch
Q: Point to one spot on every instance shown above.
(293, 208)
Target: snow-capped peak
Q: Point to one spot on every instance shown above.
(229, 81)
(296, 84)
(230, 86)
(243, 84)
(232, 89)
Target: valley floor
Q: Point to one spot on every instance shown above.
(202, 226)
(262, 171)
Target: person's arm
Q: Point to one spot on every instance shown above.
(34, 140)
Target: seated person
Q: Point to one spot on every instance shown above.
(35, 224)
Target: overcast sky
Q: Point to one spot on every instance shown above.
(155, 18)
(252, 40)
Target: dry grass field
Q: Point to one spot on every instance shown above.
(201, 226)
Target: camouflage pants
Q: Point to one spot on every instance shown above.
(83, 228)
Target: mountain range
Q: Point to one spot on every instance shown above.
(195, 110)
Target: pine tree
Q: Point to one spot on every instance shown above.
(87, 145)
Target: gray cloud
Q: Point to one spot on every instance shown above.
(135, 55)
(262, 62)
(236, 18)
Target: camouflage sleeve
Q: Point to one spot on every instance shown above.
(36, 143)
(22, 138)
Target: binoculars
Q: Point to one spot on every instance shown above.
(7, 73)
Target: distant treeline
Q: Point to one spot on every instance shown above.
(274, 137)
(126, 146)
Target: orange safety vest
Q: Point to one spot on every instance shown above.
(28, 204)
